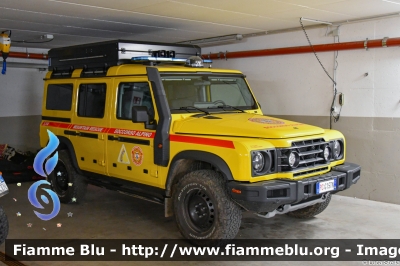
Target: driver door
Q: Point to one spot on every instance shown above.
(130, 153)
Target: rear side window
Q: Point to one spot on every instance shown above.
(59, 97)
(92, 100)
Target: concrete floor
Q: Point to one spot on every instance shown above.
(107, 214)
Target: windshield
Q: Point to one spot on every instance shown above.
(189, 93)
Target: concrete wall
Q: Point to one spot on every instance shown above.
(21, 91)
(295, 87)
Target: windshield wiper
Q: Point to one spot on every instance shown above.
(230, 106)
(187, 108)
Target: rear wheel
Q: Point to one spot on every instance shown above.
(204, 210)
(311, 211)
(66, 182)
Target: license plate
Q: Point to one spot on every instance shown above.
(3, 186)
(326, 186)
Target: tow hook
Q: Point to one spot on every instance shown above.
(289, 208)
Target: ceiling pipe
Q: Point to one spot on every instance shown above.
(28, 55)
(385, 42)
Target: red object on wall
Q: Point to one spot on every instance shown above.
(28, 55)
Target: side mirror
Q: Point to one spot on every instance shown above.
(140, 115)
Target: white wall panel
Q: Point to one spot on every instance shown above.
(299, 85)
(21, 91)
(359, 102)
(351, 77)
(387, 102)
(387, 68)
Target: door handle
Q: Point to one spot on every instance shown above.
(113, 138)
(71, 133)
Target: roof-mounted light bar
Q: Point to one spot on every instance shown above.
(193, 61)
(144, 59)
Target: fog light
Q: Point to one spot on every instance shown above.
(327, 153)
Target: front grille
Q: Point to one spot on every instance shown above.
(310, 171)
(311, 154)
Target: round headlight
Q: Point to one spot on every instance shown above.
(293, 159)
(337, 149)
(258, 161)
(327, 153)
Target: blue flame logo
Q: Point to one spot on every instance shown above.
(43, 165)
(44, 153)
(34, 201)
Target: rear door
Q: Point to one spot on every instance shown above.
(90, 121)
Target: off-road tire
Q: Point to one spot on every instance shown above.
(64, 174)
(311, 211)
(204, 210)
(3, 226)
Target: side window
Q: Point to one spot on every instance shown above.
(92, 100)
(59, 97)
(133, 94)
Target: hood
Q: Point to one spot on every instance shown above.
(244, 125)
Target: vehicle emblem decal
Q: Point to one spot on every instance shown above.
(266, 121)
(137, 155)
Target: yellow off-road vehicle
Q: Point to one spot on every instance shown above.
(148, 119)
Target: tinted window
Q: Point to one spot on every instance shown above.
(133, 94)
(92, 100)
(59, 97)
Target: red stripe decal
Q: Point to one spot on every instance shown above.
(55, 124)
(130, 132)
(114, 131)
(88, 128)
(203, 141)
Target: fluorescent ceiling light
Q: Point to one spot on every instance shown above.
(316, 21)
(226, 38)
(397, 3)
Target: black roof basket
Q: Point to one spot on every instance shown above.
(96, 58)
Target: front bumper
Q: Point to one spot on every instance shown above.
(267, 196)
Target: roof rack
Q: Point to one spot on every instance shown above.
(96, 58)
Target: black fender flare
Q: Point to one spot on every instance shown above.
(203, 156)
(65, 142)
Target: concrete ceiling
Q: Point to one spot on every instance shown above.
(84, 21)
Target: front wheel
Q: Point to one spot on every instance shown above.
(203, 208)
(66, 182)
(3, 226)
